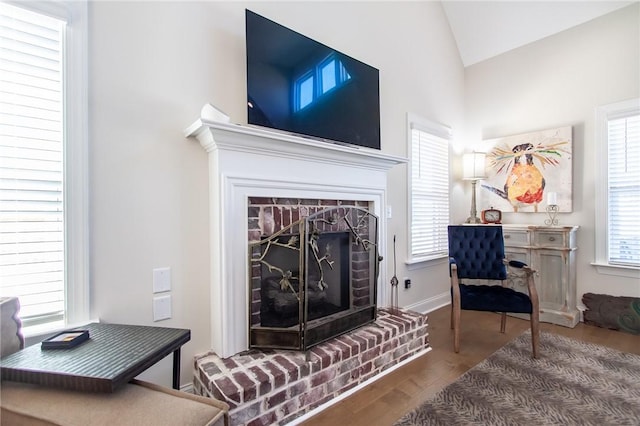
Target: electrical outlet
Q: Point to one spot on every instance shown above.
(407, 283)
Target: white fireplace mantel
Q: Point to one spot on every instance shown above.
(253, 162)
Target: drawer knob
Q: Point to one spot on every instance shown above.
(552, 238)
(507, 237)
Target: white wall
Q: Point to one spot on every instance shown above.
(556, 82)
(153, 65)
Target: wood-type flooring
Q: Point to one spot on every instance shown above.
(388, 398)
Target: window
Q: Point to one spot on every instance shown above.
(43, 196)
(313, 84)
(618, 187)
(428, 189)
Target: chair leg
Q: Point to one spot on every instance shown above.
(455, 322)
(535, 332)
(503, 322)
(452, 315)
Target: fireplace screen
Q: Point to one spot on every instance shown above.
(314, 279)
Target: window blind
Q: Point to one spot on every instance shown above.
(624, 190)
(32, 228)
(429, 194)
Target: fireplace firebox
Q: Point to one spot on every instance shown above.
(314, 279)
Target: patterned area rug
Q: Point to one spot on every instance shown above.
(572, 383)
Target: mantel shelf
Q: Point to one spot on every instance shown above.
(217, 135)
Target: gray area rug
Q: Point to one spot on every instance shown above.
(572, 383)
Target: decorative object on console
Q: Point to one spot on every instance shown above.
(552, 209)
(522, 168)
(473, 169)
(491, 216)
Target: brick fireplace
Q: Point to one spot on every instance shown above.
(293, 176)
(247, 162)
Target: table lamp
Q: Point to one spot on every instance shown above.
(473, 170)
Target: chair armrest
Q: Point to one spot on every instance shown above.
(529, 273)
(516, 263)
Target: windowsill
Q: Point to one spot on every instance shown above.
(617, 270)
(424, 262)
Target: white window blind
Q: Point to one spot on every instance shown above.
(32, 227)
(624, 190)
(429, 192)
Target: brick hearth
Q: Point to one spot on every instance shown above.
(265, 387)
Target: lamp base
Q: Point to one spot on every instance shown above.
(473, 220)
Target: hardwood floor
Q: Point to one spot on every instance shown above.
(387, 399)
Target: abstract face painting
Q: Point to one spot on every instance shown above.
(522, 170)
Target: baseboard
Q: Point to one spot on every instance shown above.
(431, 304)
(188, 388)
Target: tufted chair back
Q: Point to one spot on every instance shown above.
(478, 251)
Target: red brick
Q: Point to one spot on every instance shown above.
(264, 382)
(291, 368)
(229, 363)
(325, 358)
(247, 385)
(370, 354)
(362, 342)
(279, 377)
(228, 389)
(339, 383)
(323, 377)
(312, 396)
(264, 420)
(298, 388)
(349, 365)
(353, 345)
(366, 368)
(276, 399)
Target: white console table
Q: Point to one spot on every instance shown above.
(551, 251)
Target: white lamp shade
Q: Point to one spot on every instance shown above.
(473, 167)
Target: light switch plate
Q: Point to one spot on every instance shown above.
(162, 307)
(161, 280)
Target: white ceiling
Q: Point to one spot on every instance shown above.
(484, 29)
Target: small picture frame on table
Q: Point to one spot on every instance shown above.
(66, 339)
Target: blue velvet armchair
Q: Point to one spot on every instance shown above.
(476, 252)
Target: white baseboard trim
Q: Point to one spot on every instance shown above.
(431, 304)
(188, 388)
(350, 392)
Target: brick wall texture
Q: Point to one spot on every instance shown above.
(267, 387)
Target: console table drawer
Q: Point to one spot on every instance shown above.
(515, 238)
(549, 239)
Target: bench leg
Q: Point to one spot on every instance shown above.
(176, 369)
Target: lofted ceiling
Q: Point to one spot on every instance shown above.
(484, 29)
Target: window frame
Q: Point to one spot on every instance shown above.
(605, 113)
(76, 159)
(441, 131)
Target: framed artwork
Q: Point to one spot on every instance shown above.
(525, 172)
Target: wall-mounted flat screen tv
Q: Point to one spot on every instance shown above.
(301, 86)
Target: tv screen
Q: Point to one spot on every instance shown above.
(299, 85)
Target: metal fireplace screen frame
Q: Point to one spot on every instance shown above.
(288, 298)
